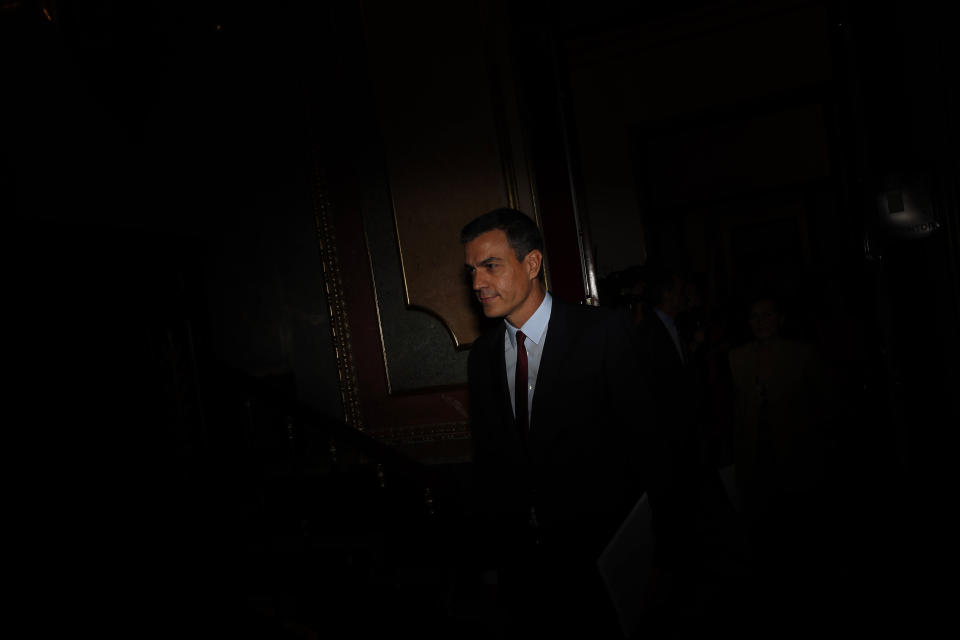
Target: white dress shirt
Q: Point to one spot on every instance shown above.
(672, 330)
(535, 328)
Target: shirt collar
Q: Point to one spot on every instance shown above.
(665, 317)
(536, 325)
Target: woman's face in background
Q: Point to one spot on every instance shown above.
(765, 320)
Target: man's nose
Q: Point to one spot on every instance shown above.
(478, 280)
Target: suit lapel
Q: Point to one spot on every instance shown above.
(497, 365)
(497, 368)
(500, 366)
(554, 354)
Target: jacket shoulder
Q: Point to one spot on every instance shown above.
(486, 341)
(588, 314)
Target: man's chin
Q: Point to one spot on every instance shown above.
(491, 310)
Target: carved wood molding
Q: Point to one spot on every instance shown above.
(427, 433)
(336, 300)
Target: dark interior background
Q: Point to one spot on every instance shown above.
(158, 176)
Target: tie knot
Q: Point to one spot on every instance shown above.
(520, 338)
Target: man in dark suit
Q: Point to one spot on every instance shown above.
(694, 516)
(668, 368)
(669, 365)
(557, 448)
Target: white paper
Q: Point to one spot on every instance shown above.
(626, 565)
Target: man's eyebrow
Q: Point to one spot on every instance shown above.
(484, 262)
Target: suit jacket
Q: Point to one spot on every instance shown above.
(663, 368)
(674, 383)
(579, 467)
(684, 486)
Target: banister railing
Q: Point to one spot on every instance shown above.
(308, 429)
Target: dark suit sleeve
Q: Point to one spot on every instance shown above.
(485, 501)
(480, 435)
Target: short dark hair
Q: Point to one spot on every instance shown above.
(659, 280)
(522, 232)
(764, 294)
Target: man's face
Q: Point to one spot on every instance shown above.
(765, 320)
(675, 297)
(506, 287)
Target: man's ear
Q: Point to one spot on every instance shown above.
(532, 261)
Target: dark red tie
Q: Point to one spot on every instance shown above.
(520, 385)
